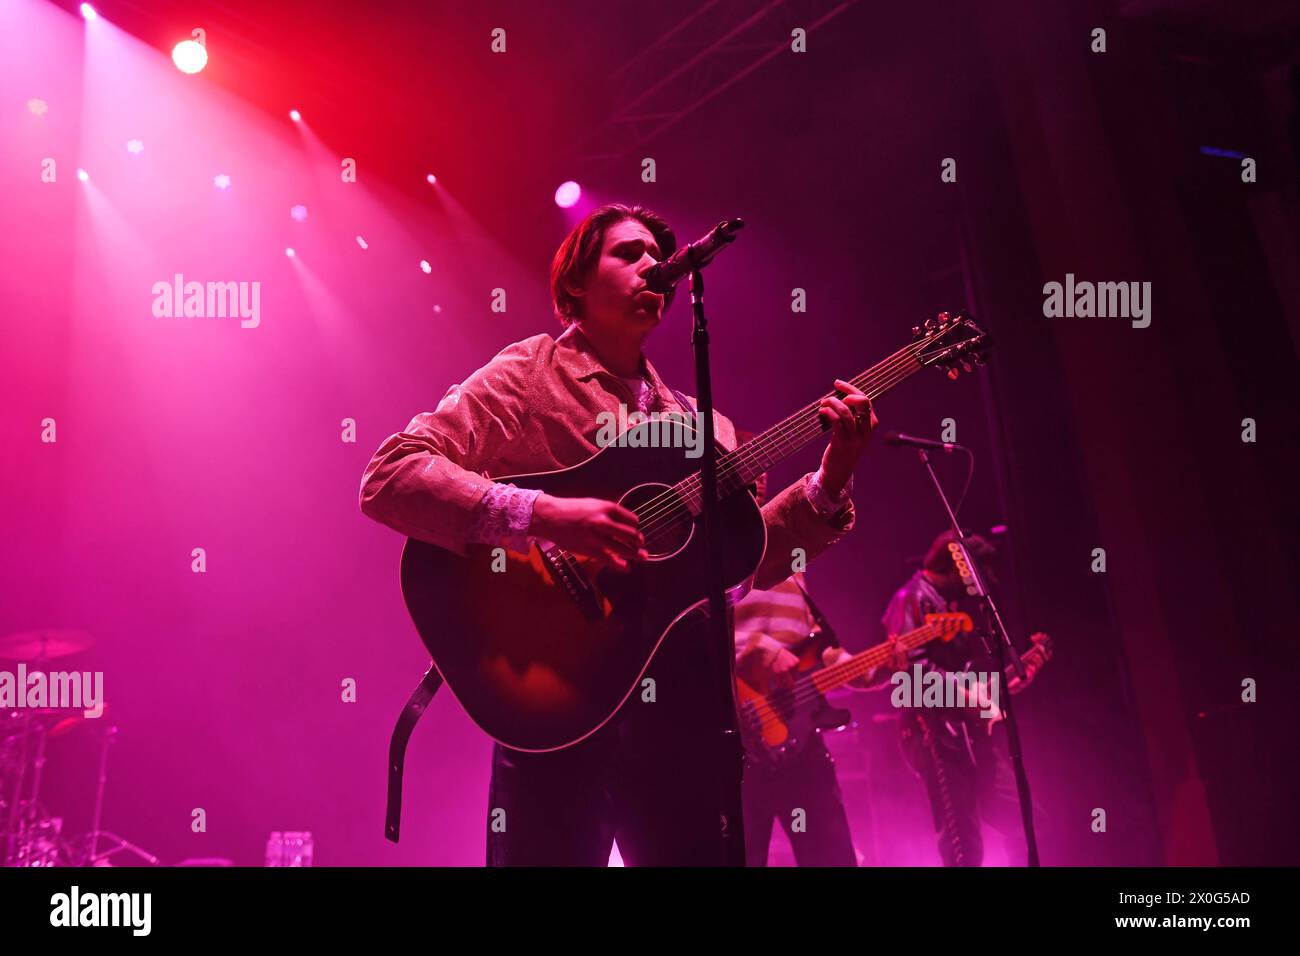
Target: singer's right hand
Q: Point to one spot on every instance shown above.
(590, 527)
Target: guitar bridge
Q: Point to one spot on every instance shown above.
(565, 570)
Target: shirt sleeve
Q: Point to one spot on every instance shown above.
(503, 516)
(820, 498)
(427, 481)
(903, 614)
(795, 525)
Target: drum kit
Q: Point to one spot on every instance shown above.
(29, 835)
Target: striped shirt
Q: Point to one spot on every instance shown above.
(773, 619)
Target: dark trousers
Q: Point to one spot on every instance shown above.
(648, 777)
(965, 778)
(805, 797)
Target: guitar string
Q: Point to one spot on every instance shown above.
(668, 508)
(793, 429)
(662, 517)
(909, 641)
(861, 664)
(797, 428)
(673, 507)
(800, 421)
(807, 691)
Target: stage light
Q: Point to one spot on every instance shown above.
(437, 308)
(83, 175)
(1216, 151)
(134, 147)
(431, 179)
(88, 12)
(289, 252)
(568, 194)
(295, 116)
(424, 265)
(362, 243)
(298, 213)
(190, 56)
(37, 107)
(221, 181)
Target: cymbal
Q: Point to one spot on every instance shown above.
(43, 644)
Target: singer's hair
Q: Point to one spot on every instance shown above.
(938, 560)
(580, 251)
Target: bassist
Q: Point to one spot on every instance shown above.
(803, 794)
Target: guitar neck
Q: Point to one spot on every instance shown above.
(761, 453)
(861, 664)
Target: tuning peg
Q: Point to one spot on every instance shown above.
(916, 330)
(953, 373)
(967, 366)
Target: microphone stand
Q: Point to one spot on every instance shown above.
(722, 660)
(976, 588)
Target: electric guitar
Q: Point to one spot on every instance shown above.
(777, 721)
(542, 648)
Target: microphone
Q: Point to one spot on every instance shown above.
(909, 441)
(662, 276)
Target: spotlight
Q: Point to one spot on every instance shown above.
(289, 252)
(424, 265)
(295, 116)
(134, 147)
(83, 175)
(88, 12)
(431, 179)
(221, 181)
(37, 106)
(190, 56)
(298, 213)
(567, 194)
(362, 243)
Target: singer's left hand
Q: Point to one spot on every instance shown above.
(852, 422)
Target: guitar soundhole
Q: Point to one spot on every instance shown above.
(665, 520)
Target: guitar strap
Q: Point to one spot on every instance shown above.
(414, 709)
(818, 616)
(415, 705)
(690, 409)
(682, 401)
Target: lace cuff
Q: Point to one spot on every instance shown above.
(503, 517)
(822, 502)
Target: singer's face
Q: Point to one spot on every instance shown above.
(614, 297)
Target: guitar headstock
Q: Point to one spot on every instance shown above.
(952, 341)
(948, 624)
